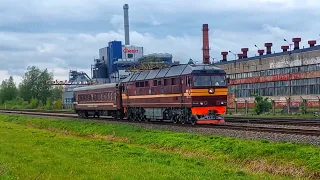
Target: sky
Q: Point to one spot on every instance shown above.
(63, 35)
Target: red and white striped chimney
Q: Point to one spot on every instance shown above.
(245, 52)
(224, 56)
(268, 46)
(296, 42)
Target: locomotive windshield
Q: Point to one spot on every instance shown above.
(217, 80)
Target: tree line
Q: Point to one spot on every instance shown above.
(34, 92)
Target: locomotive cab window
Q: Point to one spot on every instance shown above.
(214, 80)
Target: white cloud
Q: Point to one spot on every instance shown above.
(155, 25)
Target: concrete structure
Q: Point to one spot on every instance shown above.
(286, 77)
(126, 23)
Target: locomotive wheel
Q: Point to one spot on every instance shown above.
(174, 119)
(182, 119)
(193, 120)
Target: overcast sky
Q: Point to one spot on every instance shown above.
(66, 34)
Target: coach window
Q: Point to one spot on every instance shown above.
(173, 81)
(166, 82)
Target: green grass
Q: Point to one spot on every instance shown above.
(32, 147)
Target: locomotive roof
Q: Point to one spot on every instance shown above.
(172, 71)
(99, 86)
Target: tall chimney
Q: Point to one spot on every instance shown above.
(296, 42)
(245, 52)
(312, 43)
(268, 46)
(224, 56)
(126, 23)
(261, 51)
(284, 48)
(205, 48)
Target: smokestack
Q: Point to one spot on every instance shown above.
(205, 48)
(240, 56)
(126, 23)
(312, 43)
(261, 51)
(224, 56)
(284, 48)
(245, 52)
(296, 42)
(268, 46)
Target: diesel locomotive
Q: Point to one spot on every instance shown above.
(185, 93)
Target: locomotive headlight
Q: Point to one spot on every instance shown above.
(211, 91)
(201, 103)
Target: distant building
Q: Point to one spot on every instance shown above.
(286, 77)
(76, 79)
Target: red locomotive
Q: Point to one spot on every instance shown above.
(195, 94)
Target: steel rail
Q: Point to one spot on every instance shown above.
(296, 131)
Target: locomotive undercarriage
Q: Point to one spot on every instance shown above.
(175, 115)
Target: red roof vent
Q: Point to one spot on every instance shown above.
(268, 46)
(224, 56)
(312, 43)
(261, 51)
(240, 56)
(296, 42)
(284, 48)
(245, 52)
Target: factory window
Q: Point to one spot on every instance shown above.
(159, 82)
(130, 55)
(146, 84)
(137, 84)
(155, 82)
(141, 84)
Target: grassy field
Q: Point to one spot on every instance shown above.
(35, 148)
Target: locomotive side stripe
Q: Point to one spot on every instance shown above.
(206, 90)
(198, 93)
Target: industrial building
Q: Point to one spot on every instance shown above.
(117, 60)
(287, 78)
(76, 79)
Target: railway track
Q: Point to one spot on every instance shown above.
(275, 120)
(296, 131)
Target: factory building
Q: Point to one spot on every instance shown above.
(76, 79)
(287, 78)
